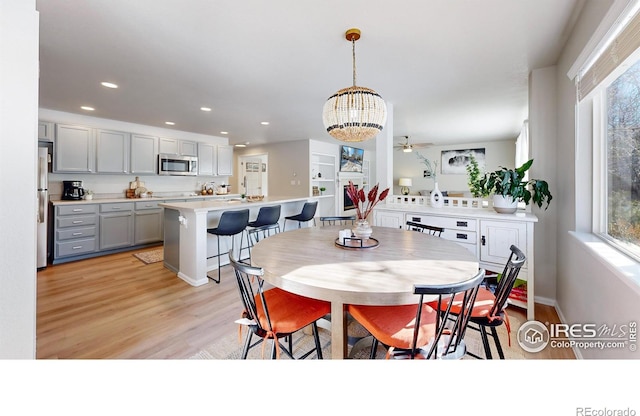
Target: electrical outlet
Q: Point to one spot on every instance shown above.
(293, 182)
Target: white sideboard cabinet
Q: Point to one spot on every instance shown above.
(482, 231)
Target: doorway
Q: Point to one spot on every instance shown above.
(254, 175)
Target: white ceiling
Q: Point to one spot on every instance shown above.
(454, 70)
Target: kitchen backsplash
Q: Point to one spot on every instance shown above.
(116, 185)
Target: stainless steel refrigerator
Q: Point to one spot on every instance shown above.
(44, 158)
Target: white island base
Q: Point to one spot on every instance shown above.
(187, 245)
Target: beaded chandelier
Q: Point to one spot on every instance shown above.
(354, 114)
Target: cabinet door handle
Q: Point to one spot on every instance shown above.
(77, 247)
(461, 236)
(461, 224)
(77, 233)
(78, 222)
(77, 210)
(484, 241)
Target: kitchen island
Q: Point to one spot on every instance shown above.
(187, 245)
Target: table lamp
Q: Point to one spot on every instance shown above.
(404, 183)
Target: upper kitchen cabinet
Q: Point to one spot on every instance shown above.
(74, 149)
(144, 152)
(178, 147)
(225, 160)
(45, 130)
(207, 159)
(112, 151)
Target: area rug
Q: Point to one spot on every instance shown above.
(151, 256)
(230, 347)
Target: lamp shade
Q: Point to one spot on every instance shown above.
(354, 114)
(404, 182)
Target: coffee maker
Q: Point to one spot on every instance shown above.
(72, 190)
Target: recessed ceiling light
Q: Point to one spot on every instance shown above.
(224, 132)
(109, 84)
(205, 109)
(170, 123)
(265, 123)
(241, 145)
(86, 107)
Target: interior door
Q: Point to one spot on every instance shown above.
(253, 170)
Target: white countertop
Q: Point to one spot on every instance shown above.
(154, 198)
(233, 203)
(488, 213)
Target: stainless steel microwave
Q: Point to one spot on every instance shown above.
(170, 164)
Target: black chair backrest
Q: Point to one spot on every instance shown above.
(232, 222)
(250, 284)
(508, 279)
(308, 211)
(467, 292)
(340, 220)
(424, 228)
(267, 216)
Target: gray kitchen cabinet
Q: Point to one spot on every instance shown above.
(46, 130)
(188, 148)
(178, 147)
(144, 152)
(225, 160)
(207, 159)
(75, 231)
(116, 225)
(112, 151)
(148, 222)
(74, 149)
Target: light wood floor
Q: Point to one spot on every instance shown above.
(118, 307)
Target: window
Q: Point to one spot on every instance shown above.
(621, 213)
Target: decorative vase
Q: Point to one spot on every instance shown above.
(362, 230)
(437, 201)
(504, 204)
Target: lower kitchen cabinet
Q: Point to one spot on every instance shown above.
(148, 223)
(116, 225)
(75, 230)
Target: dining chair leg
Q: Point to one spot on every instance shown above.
(316, 338)
(374, 349)
(494, 334)
(247, 343)
(485, 342)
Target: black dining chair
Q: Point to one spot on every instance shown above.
(420, 331)
(307, 214)
(424, 228)
(266, 223)
(275, 313)
(231, 224)
(339, 220)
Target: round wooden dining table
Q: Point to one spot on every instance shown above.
(309, 262)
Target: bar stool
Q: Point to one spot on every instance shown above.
(307, 214)
(339, 220)
(266, 222)
(231, 224)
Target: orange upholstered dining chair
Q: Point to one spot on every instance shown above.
(275, 313)
(419, 331)
(489, 308)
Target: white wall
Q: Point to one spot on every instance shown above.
(587, 291)
(18, 143)
(117, 184)
(542, 143)
(408, 165)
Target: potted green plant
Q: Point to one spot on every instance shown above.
(322, 189)
(508, 186)
(474, 178)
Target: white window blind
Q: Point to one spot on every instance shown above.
(619, 49)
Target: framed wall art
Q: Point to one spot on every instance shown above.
(454, 162)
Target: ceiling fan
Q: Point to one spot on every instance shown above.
(408, 147)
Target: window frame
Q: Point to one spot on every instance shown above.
(597, 98)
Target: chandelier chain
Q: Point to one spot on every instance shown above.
(353, 52)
